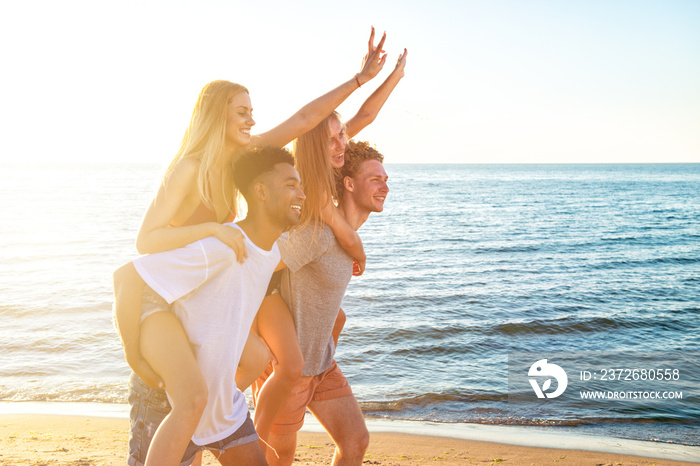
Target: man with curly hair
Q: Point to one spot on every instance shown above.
(313, 284)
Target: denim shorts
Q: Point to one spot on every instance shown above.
(149, 406)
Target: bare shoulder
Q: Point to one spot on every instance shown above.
(183, 175)
(187, 168)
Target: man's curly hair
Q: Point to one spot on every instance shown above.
(252, 163)
(356, 153)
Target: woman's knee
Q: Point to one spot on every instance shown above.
(190, 397)
(199, 401)
(255, 357)
(126, 276)
(290, 369)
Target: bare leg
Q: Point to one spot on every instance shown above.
(276, 326)
(285, 445)
(254, 360)
(338, 326)
(248, 454)
(128, 295)
(343, 420)
(164, 344)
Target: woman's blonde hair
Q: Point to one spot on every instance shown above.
(205, 138)
(313, 162)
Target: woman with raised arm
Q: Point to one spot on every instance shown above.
(196, 195)
(318, 153)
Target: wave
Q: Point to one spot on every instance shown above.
(589, 325)
(618, 264)
(507, 249)
(460, 338)
(622, 238)
(91, 393)
(406, 401)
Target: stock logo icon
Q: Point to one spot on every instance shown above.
(544, 369)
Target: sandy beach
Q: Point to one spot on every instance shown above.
(37, 439)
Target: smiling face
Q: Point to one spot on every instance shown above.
(369, 186)
(285, 196)
(239, 120)
(336, 142)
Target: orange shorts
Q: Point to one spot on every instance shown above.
(328, 385)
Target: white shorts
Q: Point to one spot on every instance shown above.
(152, 302)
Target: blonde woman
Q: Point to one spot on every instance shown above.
(198, 194)
(318, 153)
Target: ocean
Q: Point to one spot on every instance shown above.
(475, 273)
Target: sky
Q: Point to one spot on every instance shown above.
(486, 81)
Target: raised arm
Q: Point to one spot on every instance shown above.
(156, 236)
(370, 108)
(347, 237)
(315, 111)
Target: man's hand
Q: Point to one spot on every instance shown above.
(143, 370)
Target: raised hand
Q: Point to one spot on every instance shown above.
(373, 62)
(401, 63)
